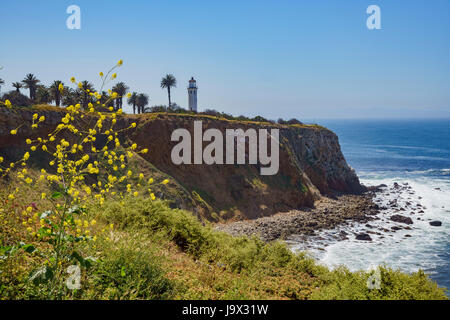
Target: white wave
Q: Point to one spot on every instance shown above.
(369, 176)
(410, 147)
(399, 156)
(440, 171)
(387, 154)
(423, 247)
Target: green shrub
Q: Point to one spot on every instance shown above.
(251, 256)
(342, 284)
(181, 226)
(188, 233)
(130, 271)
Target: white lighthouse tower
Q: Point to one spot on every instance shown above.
(192, 93)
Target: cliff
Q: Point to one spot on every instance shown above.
(311, 164)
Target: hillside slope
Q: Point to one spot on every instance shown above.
(311, 164)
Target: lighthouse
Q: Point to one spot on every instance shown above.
(192, 94)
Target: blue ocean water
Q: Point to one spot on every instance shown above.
(416, 152)
(395, 146)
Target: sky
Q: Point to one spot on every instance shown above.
(303, 59)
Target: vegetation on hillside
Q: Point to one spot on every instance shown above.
(79, 168)
(77, 221)
(154, 252)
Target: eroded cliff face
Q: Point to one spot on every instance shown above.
(319, 155)
(310, 164)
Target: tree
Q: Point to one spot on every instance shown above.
(168, 82)
(17, 99)
(121, 89)
(104, 99)
(158, 109)
(55, 92)
(174, 107)
(142, 101)
(31, 83)
(71, 97)
(17, 85)
(133, 101)
(259, 119)
(294, 121)
(84, 89)
(1, 83)
(43, 94)
(147, 110)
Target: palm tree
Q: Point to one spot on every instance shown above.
(106, 99)
(54, 91)
(17, 85)
(142, 101)
(133, 101)
(1, 82)
(85, 89)
(120, 88)
(70, 97)
(168, 82)
(43, 94)
(31, 82)
(147, 110)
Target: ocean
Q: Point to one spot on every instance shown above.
(412, 152)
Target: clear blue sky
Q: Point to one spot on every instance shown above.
(305, 59)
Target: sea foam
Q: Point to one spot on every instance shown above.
(423, 247)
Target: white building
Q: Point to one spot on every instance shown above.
(192, 94)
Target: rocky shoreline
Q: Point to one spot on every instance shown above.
(337, 210)
(328, 212)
